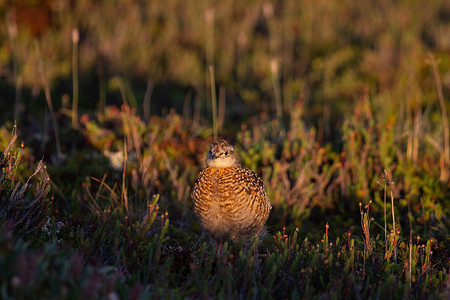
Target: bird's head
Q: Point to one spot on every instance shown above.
(221, 155)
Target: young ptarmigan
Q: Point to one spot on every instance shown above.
(229, 200)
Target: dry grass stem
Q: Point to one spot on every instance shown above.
(434, 64)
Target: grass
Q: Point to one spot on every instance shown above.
(344, 117)
(131, 232)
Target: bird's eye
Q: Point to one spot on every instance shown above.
(226, 153)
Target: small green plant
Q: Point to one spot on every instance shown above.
(392, 242)
(365, 224)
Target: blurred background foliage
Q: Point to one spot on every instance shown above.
(328, 53)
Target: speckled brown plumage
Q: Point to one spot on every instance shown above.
(229, 200)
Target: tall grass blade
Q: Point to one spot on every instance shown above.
(213, 99)
(75, 41)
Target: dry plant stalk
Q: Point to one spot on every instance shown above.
(213, 99)
(276, 87)
(385, 224)
(221, 113)
(124, 187)
(387, 179)
(46, 88)
(393, 236)
(393, 226)
(147, 99)
(75, 41)
(434, 64)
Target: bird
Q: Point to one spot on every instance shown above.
(229, 200)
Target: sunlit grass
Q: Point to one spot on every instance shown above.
(119, 228)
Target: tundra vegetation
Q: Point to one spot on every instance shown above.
(107, 110)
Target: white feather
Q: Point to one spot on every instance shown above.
(221, 162)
